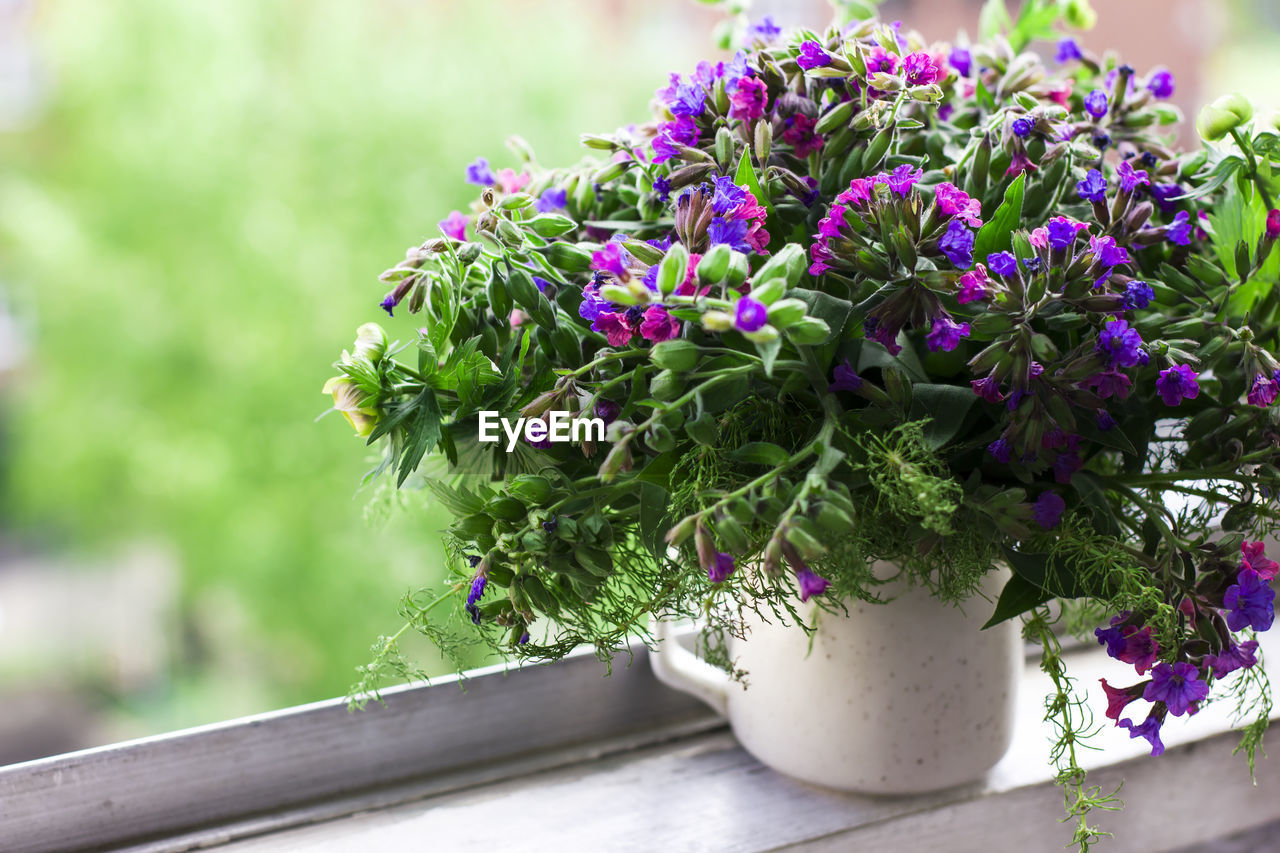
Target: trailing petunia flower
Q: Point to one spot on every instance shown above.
(1119, 698)
(811, 583)
(1253, 555)
(720, 570)
(1238, 656)
(1149, 729)
(1047, 510)
(1249, 602)
(473, 597)
(1177, 685)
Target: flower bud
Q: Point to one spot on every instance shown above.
(371, 342)
(569, 257)
(671, 271)
(714, 264)
(810, 331)
(551, 224)
(785, 312)
(353, 403)
(1080, 15)
(470, 252)
(717, 321)
(1223, 116)
(763, 141)
(676, 355)
(621, 294)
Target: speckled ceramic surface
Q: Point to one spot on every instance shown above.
(899, 698)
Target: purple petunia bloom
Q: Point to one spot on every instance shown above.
(901, 179)
(764, 29)
(473, 597)
(720, 570)
(1107, 253)
(1137, 294)
(1179, 230)
(1120, 344)
(845, 378)
(1161, 83)
(727, 196)
(1022, 127)
(751, 315)
(1130, 178)
(1149, 729)
(454, 225)
(1178, 686)
(1001, 450)
(945, 333)
(957, 244)
(730, 232)
(552, 198)
(1048, 509)
(961, 60)
(1093, 187)
(920, 69)
(812, 56)
(1003, 263)
(1249, 602)
(1263, 391)
(811, 583)
(1241, 656)
(1068, 51)
(749, 99)
(480, 173)
(1095, 103)
(1176, 384)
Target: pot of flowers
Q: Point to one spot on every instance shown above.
(879, 349)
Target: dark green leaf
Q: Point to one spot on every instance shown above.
(997, 234)
(762, 453)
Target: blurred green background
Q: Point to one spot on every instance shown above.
(192, 221)
(192, 229)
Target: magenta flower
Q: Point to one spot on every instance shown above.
(1119, 698)
(1093, 187)
(798, 132)
(1176, 384)
(945, 333)
(683, 97)
(615, 328)
(658, 325)
(878, 59)
(1119, 344)
(1241, 656)
(1019, 164)
(1109, 383)
(901, 179)
(607, 410)
(748, 101)
(1263, 391)
(1107, 253)
(973, 285)
(829, 226)
(751, 315)
(1161, 83)
(953, 201)
(1149, 729)
(845, 378)
(811, 583)
(1254, 556)
(988, 388)
(920, 69)
(859, 192)
(1178, 686)
(512, 182)
(454, 225)
(1095, 103)
(1250, 602)
(1273, 224)
(611, 258)
(820, 255)
(812, 56)
(719, 571)
(1048, 509)
(1130, 178)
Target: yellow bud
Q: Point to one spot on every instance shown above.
(350, 400)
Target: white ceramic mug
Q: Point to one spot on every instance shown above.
(895, 698)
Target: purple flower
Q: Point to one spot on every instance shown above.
(611, 258)
(658, 325)
(1104, 420)
(811, 583)
(1263, 392)
(1254, 556)
(1130, 178)
(1068, 50)
(1242, 656)
(1137, 294)
(592, 303)
(764, 29)
(1149, 729)
(1176, 384)
(1062, 231)
(953, 201)
(1048, 509)
(799, 133)
(662, 186)
(1249, 602)
(961, 60)
(973, 285)
(885, 335)
(727, 196)
(607, 410)
(749, 100)
(751, 315)
(1273, 224)
(901, 179)
(1003, 263)
(1160, 83)
(859, 192)
(1120, 344)
(878, 59)
(945, 333)
(1164, 195)
(812, 56)
(477, 590)
(1107, 253)
(552, 525)
(845, 378)
(1179, 230)
(1095, 103)
(480, 173)
(730, 232)
(1001, 450)
(454, 225)
(552, 198)
(540, 283)
(988, 388)
(1022, 127)
(1178, 686)
(723, 567)
(920, 69)
(1109, 383)
(957, 244)
(820, 254)
(1093, 187)
(683, 97)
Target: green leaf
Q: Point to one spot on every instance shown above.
(993, 20)
(832, 310)
(746, 177)
(654, 518)
(946, 406)
(997, 234)
(873, 354)
(458, 501)
(1017, 597)
(762, 453)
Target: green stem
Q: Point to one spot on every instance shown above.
(1247, 150)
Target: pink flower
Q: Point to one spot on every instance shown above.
(1254, 556)
(454, 225)
(1273, 224)
(1040, 237)
(615, 328)
(973, 285)
(953, 201)
(658, 325)
(511, 182)
(749, 99)
(1020, 163)
(859, 191)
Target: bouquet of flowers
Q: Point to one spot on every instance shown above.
(852, 296)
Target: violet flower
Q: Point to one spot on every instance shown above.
(1068, 51)
(552, 198)
(1176, 384)
(1178, 686)
(1149, 729)
(1137, 295)
(455, 225)
(845, 378)
(1161, 83)
(945, 333)
(1047, 510)
(1095, 103)
(1237, 656)
(658, 325)
(1130, 178)
(1003, 263)
(480, 173)
(811, 583)
(719, 571)
(473, 597)
(1249, 602)
(1093, 187)
(1263, 391)
(812, 56)
(957, 244)
(1179, 230)
(961, 60)
(751, 315)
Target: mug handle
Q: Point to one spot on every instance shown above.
(676, 666)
